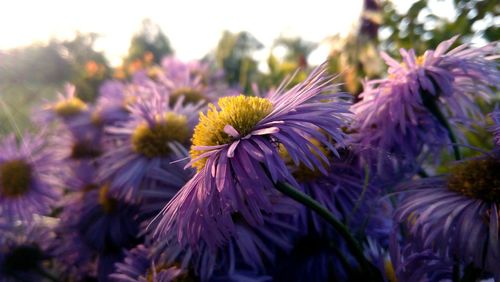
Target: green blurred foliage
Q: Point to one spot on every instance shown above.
(419, 28)
(89, 68)
(295, 59)
(234, 54)
(383, 28)
(19, 101)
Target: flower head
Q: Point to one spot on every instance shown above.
(138, 265)
(145, 143)
(251, 249)
(27, 185)
(458, 214)
(189, 83)
(23, 250)
(235, 150)
(401, 115)
(415, 263)
(71, 110)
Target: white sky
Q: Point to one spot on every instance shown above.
(193, 27)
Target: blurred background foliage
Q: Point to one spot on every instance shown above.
(33, 73)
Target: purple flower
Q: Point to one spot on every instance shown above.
(94, 229)
(235, 150)
(175, 69)
(73, 112)
(414, 263)
(397, 117)
(104, 223)
(145, 143)
(251, 250)
(23, 250)
(458, 214)
(138, 265)
(114, 97)
(351, 194)
(190, 82)
(27, 182)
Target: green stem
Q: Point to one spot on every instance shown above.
(352, 244)
(430, 103)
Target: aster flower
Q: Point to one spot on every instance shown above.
(138, 265)
(144, 143)
(94, 229)
(77, 151)
(186, 82)
(415, 263)
(104, 223)
(458, 214)
(70, 109)
(351, 194)
(114, 97)
(23, 249)
(252, 250)
(175, 69)
(27, 185)
(236, 154)
(409, 110)
(164, 182)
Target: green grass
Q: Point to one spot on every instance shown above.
(18, 102)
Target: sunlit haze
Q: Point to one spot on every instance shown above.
(193, 27)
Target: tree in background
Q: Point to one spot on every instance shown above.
(419, 28)
(147, 47)
(89, 67)
(356, 57)
(34, 64)
(383, 28)
(297, 51)
(234, 54)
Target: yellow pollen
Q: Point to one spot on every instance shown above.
(478, 178)
(108, 204)
(153, 141)
(420, 60)
(70, 107)
(191, 96)
(241, 112)
(301, 172)
(183, 277)
(15, 178)
(389, 271)
(129, 100)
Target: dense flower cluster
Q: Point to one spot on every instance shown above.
(173, 175)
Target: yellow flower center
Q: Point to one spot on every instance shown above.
(70, 107)
(15, 178)
(191, 96)
(301, 172)
(108, 204)
(153, 141)
(477, 179)
(185, 276)
(420, 60)
(240, 112)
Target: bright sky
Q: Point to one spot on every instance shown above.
(193, 27)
